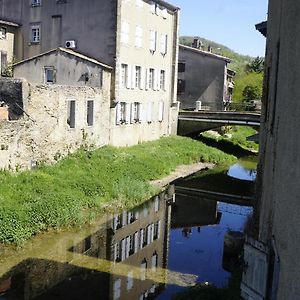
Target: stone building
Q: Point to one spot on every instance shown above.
(138, 38)
(61, 105)
(7, 42)
(204, 81)
(271, 259)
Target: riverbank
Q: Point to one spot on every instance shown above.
(79, 187)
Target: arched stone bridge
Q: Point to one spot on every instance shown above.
(194, 122)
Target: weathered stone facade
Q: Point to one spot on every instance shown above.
(42, 134)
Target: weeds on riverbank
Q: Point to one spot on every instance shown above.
(236, 135)
(76, 188)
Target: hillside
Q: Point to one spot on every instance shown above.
(238, 64)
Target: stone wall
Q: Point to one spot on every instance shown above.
(43, 134)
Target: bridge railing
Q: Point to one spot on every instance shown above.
(240, 107)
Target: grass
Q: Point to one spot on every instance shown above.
(78, 187)
(237, 135)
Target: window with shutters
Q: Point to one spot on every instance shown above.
(123, 112)
(144, 237)
(49, 75)
(151, 78)
(136, 112)
(90, 112)
(71, 113)
(156, 230)
(138, 36)
(124, 75)
(162, 82)
(125, 32)
(3, 34)
(153, 35)
(138, 76)
(163, 44)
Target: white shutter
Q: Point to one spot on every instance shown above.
(117, 289)
(254, 280)
(127, 246)
(118, 113)
(149, 112)
(138, 36)
(148, 235)
(124, 218)
(164, 13)
(146, 78)
(166, 80)
(152, 8)
(128, 79)
(157, 75)
(125, 32)
(153, 114)
(127, 113)
(129, 280)
(163, 43)
(120, 75)
(136, 242)
(142, 81)
(152, 232)
(115, 251)
(115, 222)
(142, 117)
(158, 229)
(132, 113)
(152, 40)
(160, 111)
(123, 249)
(133, 72)
(141, 238)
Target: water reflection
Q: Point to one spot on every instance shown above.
(150, 252)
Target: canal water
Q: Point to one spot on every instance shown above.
(153, 251)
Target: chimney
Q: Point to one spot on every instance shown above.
(197, 43)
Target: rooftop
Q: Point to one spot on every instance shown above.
(262, 28)
(8, 23)
(205, 53)
(69, 51)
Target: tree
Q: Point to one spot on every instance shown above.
(251, 92)
(256, 65)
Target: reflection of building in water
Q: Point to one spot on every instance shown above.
(135, 238)
(139, 240)
(192, 211)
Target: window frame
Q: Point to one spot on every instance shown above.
(3, 33)
(35, 3)
(35, 38)
(71, 119)
(90, 112)
(46, 70)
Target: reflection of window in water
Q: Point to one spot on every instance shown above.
(129, 280)
(154, 261)
(156, 204)
(117, 289)
(156, 230)
(143, 269)
(186, 232)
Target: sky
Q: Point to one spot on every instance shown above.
(228, 22)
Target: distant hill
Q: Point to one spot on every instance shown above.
(238, 64)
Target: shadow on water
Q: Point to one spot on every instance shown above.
(153, 251)
(225, 146)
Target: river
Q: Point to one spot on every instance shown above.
(153, 251)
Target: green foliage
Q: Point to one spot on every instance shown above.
(252, 79)
(79, 186)
(256, 65)
(237, 135)
(251, 92)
